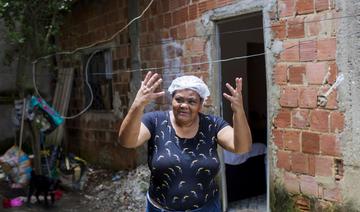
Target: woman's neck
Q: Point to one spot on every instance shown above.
(187, 130)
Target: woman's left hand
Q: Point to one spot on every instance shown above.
(236, 95)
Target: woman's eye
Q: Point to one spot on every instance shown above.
(179, 100)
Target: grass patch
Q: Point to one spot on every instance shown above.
(281, 200)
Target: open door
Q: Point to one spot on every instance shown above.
(245, 173)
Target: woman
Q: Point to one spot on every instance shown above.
(182, 144)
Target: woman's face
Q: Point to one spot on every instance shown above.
(186, 105)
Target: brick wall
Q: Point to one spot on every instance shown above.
(168, 39)
(305, 134)
(93, 135)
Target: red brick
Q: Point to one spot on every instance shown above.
(324, 166)
(289, 97)
(286, 7)
(221, 3)
(295, 27)
(292, 140)
(182, 31)
(331, 99)
(279, 74)
(312, 24)
(283, 160)
(164, 5)
(321, 24)
(151, 25)
(332, 194)
(291, 182)
(282, 119)
(337, 122)
(312, 165)
(181, 16)
(304, 6)
(278, 138)
(307, 50)
(308, 97)
(326, 49)
(319, 120)
(193, 11)
(175, 4)
(310, 142)
(329, 145)
(309, 186)
(290, 52)
(206, 5)
(211, 4)
(167, 20)
(296, 74)
(316, 73)
(300, 118)
(299, 163)
(194, 46)
(321, 5)
(333, 71)
(279, 29)
(202, 7)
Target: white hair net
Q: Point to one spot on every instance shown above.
(190, 82)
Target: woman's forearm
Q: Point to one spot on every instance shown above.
(242, 134)
(130, 127)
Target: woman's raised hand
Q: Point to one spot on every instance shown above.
(236, 95)
(148, 86)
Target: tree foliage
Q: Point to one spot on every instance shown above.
(33, 24)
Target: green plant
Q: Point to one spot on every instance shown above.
(31, 29)
(281, 200)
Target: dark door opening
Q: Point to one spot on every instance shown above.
(245, 173)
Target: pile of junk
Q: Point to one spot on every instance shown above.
(42, 171)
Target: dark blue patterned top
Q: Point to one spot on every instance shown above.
(182, 170)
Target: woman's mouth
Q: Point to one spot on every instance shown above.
(183, 113)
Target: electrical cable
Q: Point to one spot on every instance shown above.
(157, 68)
(165, 42)
(89, 87)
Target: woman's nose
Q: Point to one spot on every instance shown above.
(183, 105)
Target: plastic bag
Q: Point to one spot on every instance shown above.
(18, 167)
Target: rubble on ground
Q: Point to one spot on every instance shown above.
(120, 191)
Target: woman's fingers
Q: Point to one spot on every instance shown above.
(147, 78)
(156, 84)
(238, 82)
(228, 97)
(231, 89)
(159, 94)
(152, 79)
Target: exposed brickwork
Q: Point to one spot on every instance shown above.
(305, 69)
(310, 142)
(296, 74)
(304, 133)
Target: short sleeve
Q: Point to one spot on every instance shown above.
(148, 119)
(220, 123)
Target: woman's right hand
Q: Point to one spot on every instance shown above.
(148, 86)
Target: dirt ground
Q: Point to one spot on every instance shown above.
(104, 191)
(108, 191)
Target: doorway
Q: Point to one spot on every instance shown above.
(245, 173)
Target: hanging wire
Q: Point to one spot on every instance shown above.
(89, 87)
(164, 42)
(98, 42)
(170, 41)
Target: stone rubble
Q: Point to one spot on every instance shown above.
(120, 191)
